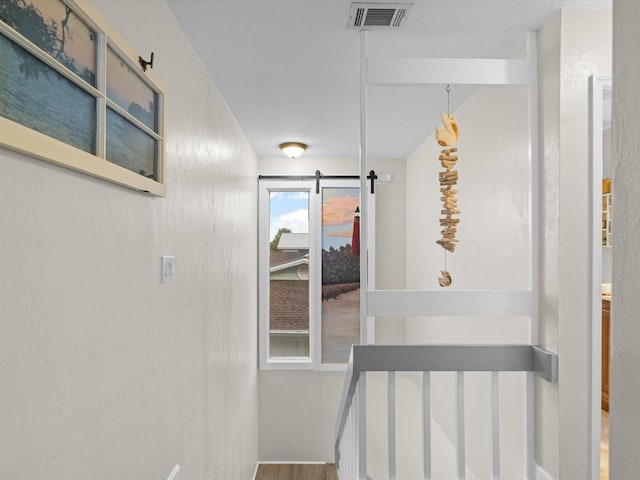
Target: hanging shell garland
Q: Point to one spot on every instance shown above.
(445, 279)
(448, 137)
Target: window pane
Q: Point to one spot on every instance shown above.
(126, 89)
(289, 274)
(130, 147)
(53, 27)
(340, 274)
(36, 96)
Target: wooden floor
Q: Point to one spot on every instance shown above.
(604, 447)
(297, 472)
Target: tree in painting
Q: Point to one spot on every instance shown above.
(51, 37)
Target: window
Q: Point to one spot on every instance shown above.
(309, 273)
(70, 96)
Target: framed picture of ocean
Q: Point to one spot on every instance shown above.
(73, 97)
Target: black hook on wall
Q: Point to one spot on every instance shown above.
(373, 177)
(144, 64)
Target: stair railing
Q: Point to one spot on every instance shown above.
(351, 431)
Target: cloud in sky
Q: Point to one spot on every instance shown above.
(342, 234)
(296, 221)
(290, 195)
(339, 210)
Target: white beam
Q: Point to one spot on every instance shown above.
(460, 71)
(415, 303)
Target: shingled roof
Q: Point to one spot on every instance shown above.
(289, 304)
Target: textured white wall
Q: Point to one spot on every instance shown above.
(105, 372)
(547, 422)
(573, 45)
(585, 51)
(625, 327)
(298, 410)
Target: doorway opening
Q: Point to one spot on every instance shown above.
(601, 272)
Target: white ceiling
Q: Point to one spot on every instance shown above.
(289, 69)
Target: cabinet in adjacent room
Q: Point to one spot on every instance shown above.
(606, 212)
(606, 339)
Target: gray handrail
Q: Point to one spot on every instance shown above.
(441, 358)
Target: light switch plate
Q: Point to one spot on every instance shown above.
(167, 270)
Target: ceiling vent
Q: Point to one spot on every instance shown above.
(368, 16)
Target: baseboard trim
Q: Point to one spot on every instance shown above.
(542, 474)
(175, 473)
(291, 462)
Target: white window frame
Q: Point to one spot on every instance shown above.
(17, 137)
(313, 362)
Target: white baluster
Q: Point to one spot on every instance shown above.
(495, 426)
(349, 445)
(460, 447)
(345, 450)
(391, 423)
(362, 427)
(353, 470)
(426, 427)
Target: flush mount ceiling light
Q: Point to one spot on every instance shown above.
(293, 149)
